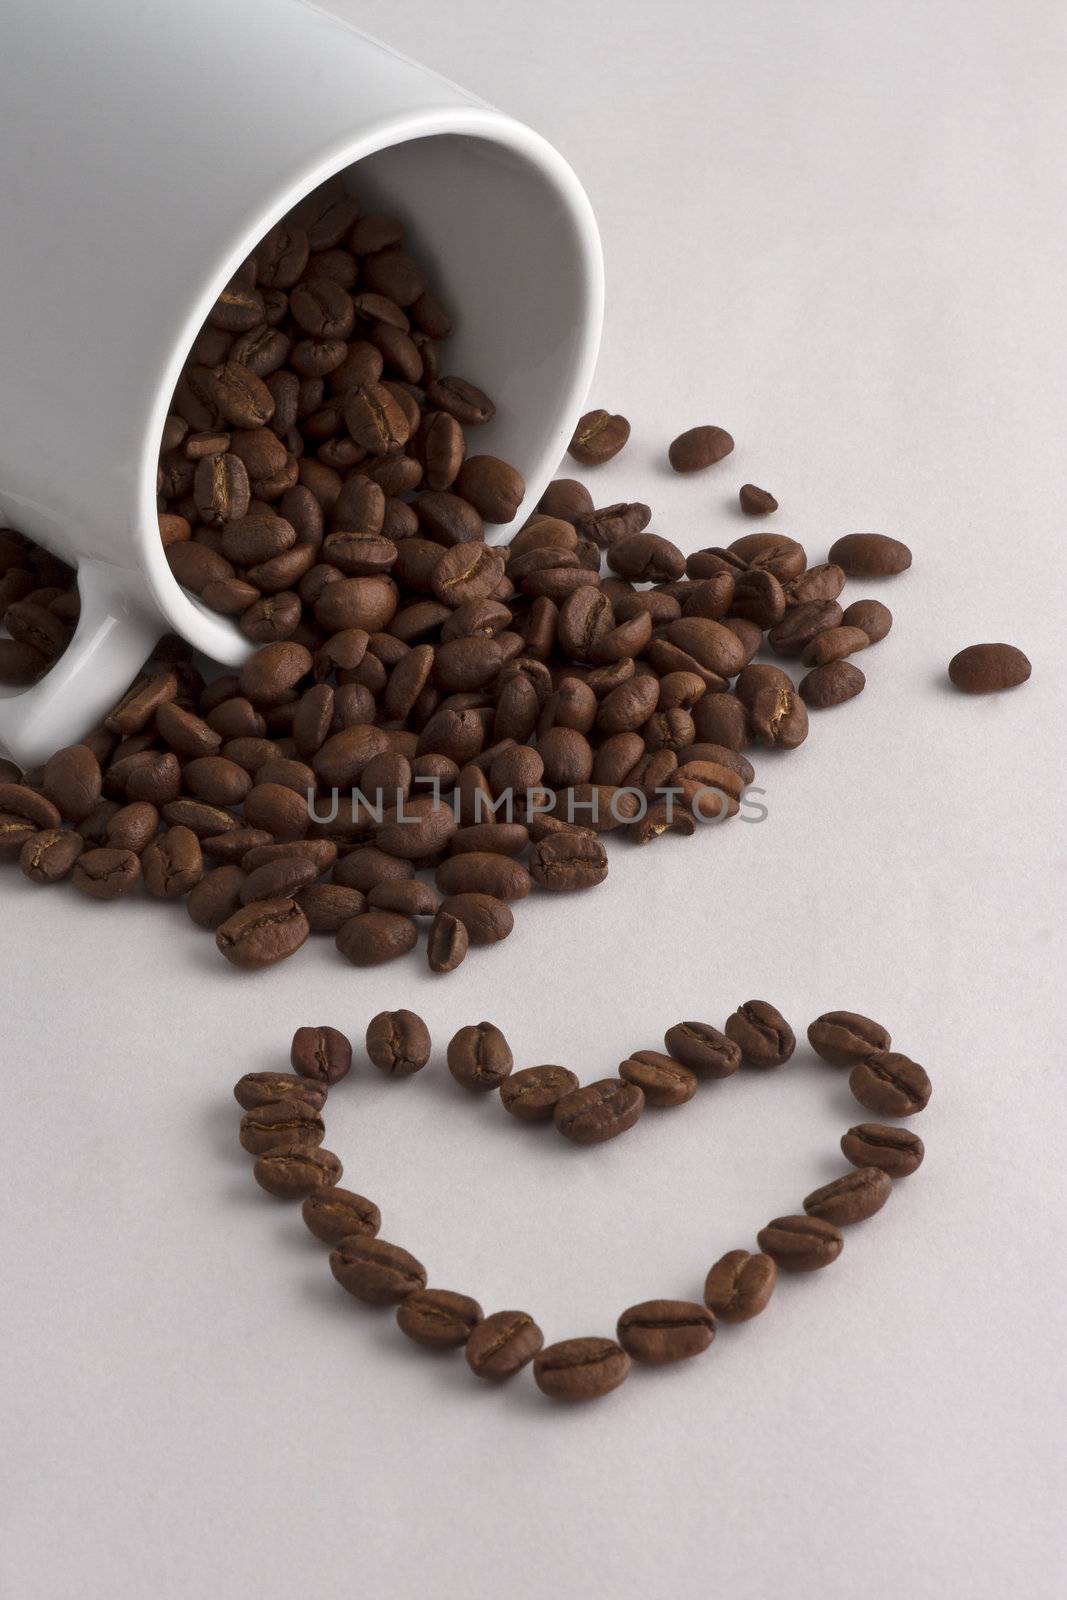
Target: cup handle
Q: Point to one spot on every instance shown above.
(116, 631)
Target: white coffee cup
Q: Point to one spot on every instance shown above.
(145, 147)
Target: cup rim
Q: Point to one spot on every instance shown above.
(215, 635)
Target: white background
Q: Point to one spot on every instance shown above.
(833, 229)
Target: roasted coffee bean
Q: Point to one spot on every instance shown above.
(657, 1332)
(262, 933)
(533, 1094)
(771, 552)
(483, 872)
(987, 668)
(322, 1054)
(440, 1319)
(49, 856)
(833, 644)
(72, 782)
(777, 716)
(494, 488)
(216, 897)
(580, 1369)
(599, 1111)
(817, 585)
(853, 1198)
(800, 1244)
(336, 1214)
(762, 1033)
(172, 863)
(756, 502)
(20, 663)
(758, 597)
(598, 437)
(461, 400)
(398, 1043)
(106, 874)
(376, 937)
(18, 800)
(281, 1125)
(502, 1344)
(844, 1037)
(281, 879)
(479, 1057)
(662, 1080)
(803, 623)
(376, 1272)
(739, 1285)
(890, 1083)
(468, 571)
(698, 448)
(257, 1089)
(831, 685)
(409, 896)
(15, 832)
(646, 558)
(328, 906)
(897, 1151)
(870, 555)
(871, 616)
(703, 1049)
(447, 943)
(567, 861)
(486, 919)
(295, 1174)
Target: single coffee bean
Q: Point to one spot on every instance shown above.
(133, 827)
(870, 555)
(494, 488)
(987, 668)
(262, 933)
(853, 1198)
(172, 863)
(818, 585)
(72, 782)
(398, 1043)
(328, 906)
(580, 1369)
(336, 1214)
(533, 1094)
(703, 1049)
(216, 897)
(698, 448)
(599, 1111)
(831, 685)
(844, 1037)
(657, 1332)
(803, 623)
(800, 1244)
(889, 1083)
(139, 705)
(896, 1151)
(486, 919)
(17, 799)
(502, 1344)
(447, 943)
(49, 856)
(482, 872)
(479, 1057)
(466, 572)
(106, 874)
(282, 1125)
(375, 937)
(756, 502)
(739, 1285)
(279, 879)
(598, 437)
(410, 896)
(322, 1054)
(762, 1034)
(662, 1080)
(440, 1319)
(461, 400)
(294, 1174)
(871, 615)
(564, 862)
(375, 1271)
(257, 1089)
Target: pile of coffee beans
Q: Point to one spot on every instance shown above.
(283, 1128)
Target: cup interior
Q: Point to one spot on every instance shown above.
(508, 239)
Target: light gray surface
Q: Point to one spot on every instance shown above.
(832, 230)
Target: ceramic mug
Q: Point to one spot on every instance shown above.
(145, 148)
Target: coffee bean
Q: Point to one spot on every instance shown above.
(803, 623)
(844, 1037)
(482, 872)
(831, 685)
(657, 1332)
(698, 448)
(533, 1094)
(890, 1084)
(818, 585)
(598, 437)
(461, 400)
(800, 1244)
(328, 906)
(468, 571)
(72, 782)
(580, 1369)
(599, 1111)
(294, 1174)
(479, 1057)
(502, 1344)
(376, 1272)
(756, 502)
(281, 1125)
(447, 943)
(870, 555)
(761, 1032)
(872, 616)
(409, 896)
(336, 1214)
(17, 799)
(567, 861)
(853, 1198)
(833, 644)
(398, 1043)
(257, 1089)
(897, 1151)
(49, 856)
(440, 1319)
(486, 919)
(172, 863)
(321, 1054)
(494, 488)
(106, 874)
(375, 937)
(987, 668)
(262, 933)
(739, 1285)
(662, 1080)
(703, 1049)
